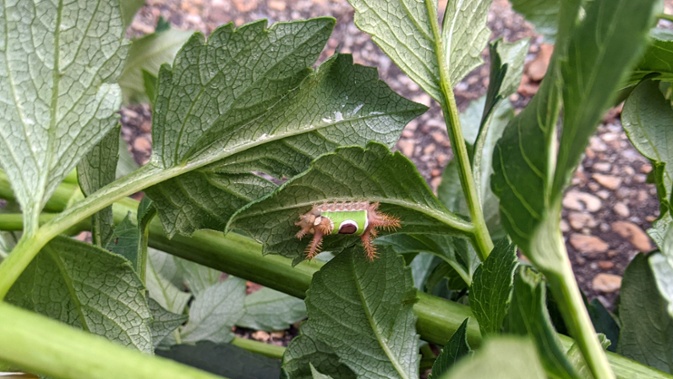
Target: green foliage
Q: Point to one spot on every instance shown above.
(244, 111)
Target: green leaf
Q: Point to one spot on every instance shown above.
(452, 250)
(456, 348)
(491, 290)
(577, 359)
(97, 169)
(502, 358)
(305, 352)
(464, 35)
(317, 375)
(124, 241)
(214, 312)
(641, 299)
(421, 266)
(349, 174)
(402, 29)
(269, 310)
(150, 86)
(223, 359)
(162, 283)
(89, 288)
(605, 323)
(58, 100)
(599, 56)
(528, 316)
(543, 14)
(658, 58)
(163, 322)
(363, 311)
(648, 122)
(129, 8)
(146, 55)
(293, 117)
(198, 278)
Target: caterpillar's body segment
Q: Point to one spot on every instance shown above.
(358, 218)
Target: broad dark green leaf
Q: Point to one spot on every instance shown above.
(421, 266)
(528, 316)
(362, 310)
(146, 55)
(599, 57)
(491, 290)
(543, 14)
(259, 108)
(95, 170)
(163, 322)
(350, 174)
(58, 100)
(315, 374)
(214, 312)
(124, 241)
(647, 118)
(456, 348)
(658, 58)
(89, 288)
(452, 250)
(305, 351)
(224, 359)
(269, 310)
(604, 323)
(642, 299)
(502, 358)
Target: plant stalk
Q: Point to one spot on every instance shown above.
(481, 237)
(48, 347)
(266, 349)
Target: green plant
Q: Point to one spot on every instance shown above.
(245, 106)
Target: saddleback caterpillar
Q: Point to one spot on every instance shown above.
(359, 218)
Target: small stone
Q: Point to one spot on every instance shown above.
(602, 166)
(538, 67)
(606, 282)
(634, 234)
(261, 335)
(580, 201)
(277, 5)
(244, 6)
(564, 226)
(646, 168)
(605, 265)
(429, 149)
(579, 220)
(603, 194)
(407, 133)
(588, 244)
(607, 181)
(621, 210)
(142, 144)
(406, 147)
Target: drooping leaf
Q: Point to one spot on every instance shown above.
(270, 310)
(491, 291)
(89, 288)
(58, 100)
(209, 356)
(163, 322)
(260, 110)
(543, 14)
(452, 250)
(464, 36)
(363, 311)
(604, 323)
(648, 122)
(349, 174)
(456, 348)
(95, 170)
(421, 266)
(528, 316)
(124, 241)
(305, 351)
(214, 312)
(315, 374)
(502, 358)
(599, 57)
(197, 277)
(147, 54)
(640, 299)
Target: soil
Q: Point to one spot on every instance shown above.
(609, 204)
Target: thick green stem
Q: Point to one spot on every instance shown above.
(481, 237)
(271, 351)
(568, 295)
(42, 345)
